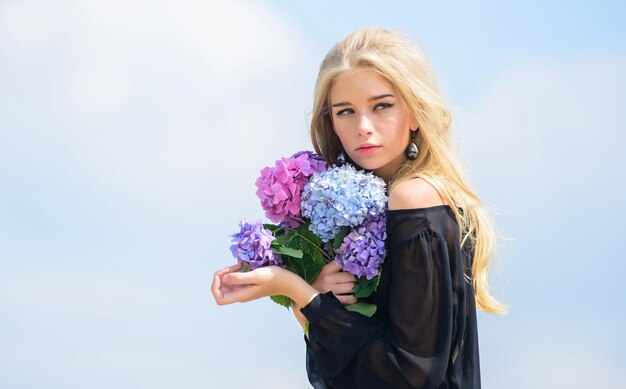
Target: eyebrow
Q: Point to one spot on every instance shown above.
(344, 103)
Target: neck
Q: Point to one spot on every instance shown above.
(389, 171)
(385, 175)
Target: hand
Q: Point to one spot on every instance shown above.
(231, 286)
(220, 289)
(332, 278)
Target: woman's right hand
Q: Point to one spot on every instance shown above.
(332, 278)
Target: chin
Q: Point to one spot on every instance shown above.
(367, 164)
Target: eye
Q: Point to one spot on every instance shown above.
(382, 106)
(344, 112)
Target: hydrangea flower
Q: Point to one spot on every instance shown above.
(280, 187)
(252, 245)
(363, 249)
(340, 197)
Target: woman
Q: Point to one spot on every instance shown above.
(377, 106)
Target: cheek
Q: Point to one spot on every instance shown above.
(392, 128)
(342, 130)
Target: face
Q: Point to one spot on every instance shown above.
(372, 121)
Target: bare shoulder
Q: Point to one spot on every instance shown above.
(414, 193)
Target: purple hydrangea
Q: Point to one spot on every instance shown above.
(340, 197)
(252, 245)
(280, 187)
(363, 249)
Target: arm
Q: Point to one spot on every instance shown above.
(231, 286)
(332, 278)
(299, 316)
(412, 348)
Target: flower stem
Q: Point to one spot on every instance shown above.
(317, 247)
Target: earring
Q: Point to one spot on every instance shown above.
(341, 159)
(412, 151)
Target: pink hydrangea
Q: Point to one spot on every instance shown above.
(279, 187)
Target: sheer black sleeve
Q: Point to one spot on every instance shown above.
(412, 348)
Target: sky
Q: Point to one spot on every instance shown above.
(131, 134)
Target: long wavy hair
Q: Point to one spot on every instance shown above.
(393, 57)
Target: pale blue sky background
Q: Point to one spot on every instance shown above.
(131, 134)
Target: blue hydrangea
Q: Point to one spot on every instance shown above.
(363, 249)
(340, 197)
(252, 245)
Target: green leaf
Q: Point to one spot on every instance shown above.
(302, 250)
(365, 287)
(282, 300)
(245, 268)
(294, 265)
(306, 267)
(282, 250)
(306, 328)
(304, 230)
(338, 239)
(312, 261)
(365, 309)
(282, 239)
(271, 227)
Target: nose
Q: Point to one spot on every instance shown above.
(365, 126)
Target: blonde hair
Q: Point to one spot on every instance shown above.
(393, 57)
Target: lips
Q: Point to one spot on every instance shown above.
(367, 148)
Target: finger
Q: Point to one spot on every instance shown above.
(341, 277)
(346, 299)
(345, 288)
(216, 290)
(241, 278)
(332, 267)
(216, 286)
(241, 295)
(228, 269)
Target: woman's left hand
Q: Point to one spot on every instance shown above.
(231, 286)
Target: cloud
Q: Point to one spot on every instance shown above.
(541, 127)
(178, 104)
(229, 37)
(156, 369)
(26, 24)
(543, 352)
(100, 88)
(569, 371)
(543, 140)
(139, 368)
(83, 295)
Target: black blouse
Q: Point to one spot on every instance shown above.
(424, 333)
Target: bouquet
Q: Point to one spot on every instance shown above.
(321, 213)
